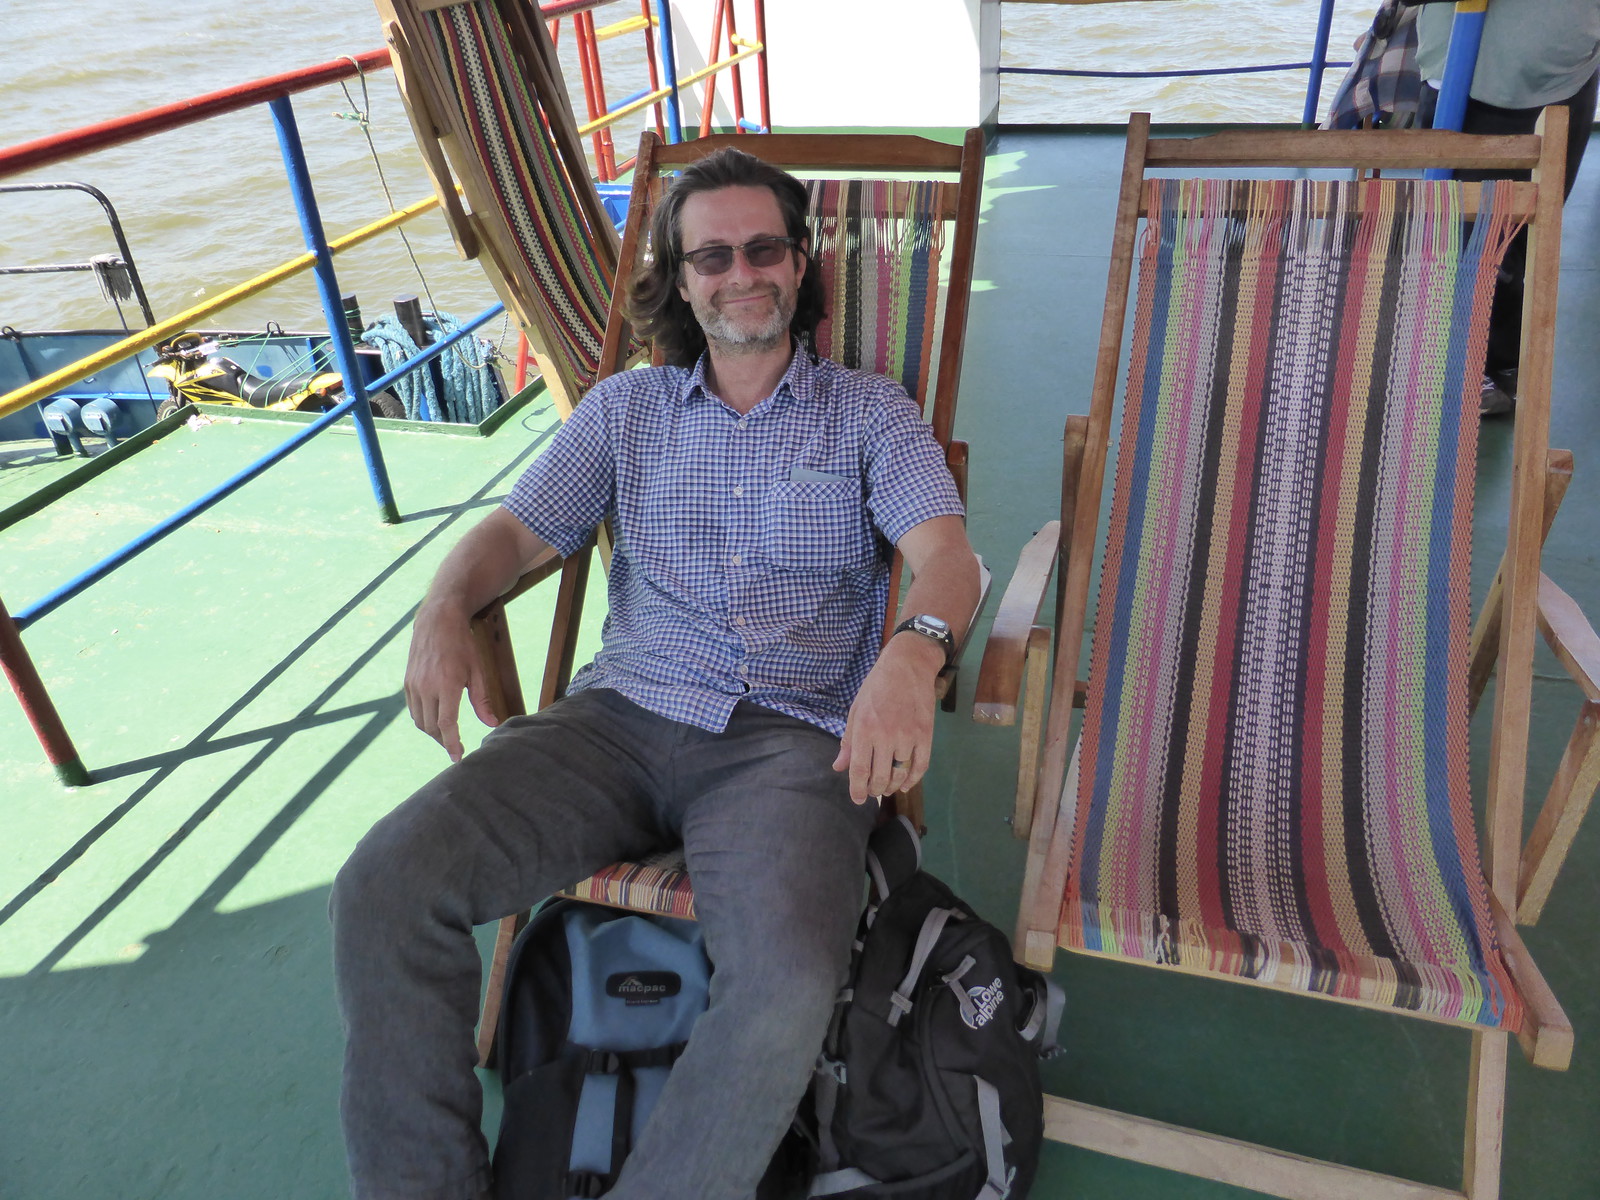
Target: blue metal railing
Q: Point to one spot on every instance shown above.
(352, 405)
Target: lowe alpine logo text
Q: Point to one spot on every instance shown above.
(643, 987)
(985, 1003)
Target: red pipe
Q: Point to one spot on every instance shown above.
(36, 704)
(524, 351)
(58, 147)
(567, 8)
(761, 63)
(607, 166)
(738, 80)
(650, 57)
(714, 52)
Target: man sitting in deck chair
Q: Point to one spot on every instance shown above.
(739, 701)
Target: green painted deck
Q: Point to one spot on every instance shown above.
(165, 993)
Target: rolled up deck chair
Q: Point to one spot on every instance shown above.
(893, 227)
(483, 89)
(1270, 784)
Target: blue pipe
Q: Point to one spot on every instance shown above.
(344, 349)
(1308, 118)
(156, 532)
(669, 68)
(1460, 62)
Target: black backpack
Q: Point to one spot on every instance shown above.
(928, 1084)
(598, 1006)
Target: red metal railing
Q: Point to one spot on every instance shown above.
(59, 147)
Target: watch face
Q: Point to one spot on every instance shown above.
(937, 626)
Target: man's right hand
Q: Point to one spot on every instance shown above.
(443, 661)
(442, 664)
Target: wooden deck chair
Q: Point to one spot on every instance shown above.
(1576, 646)
(894, 223)
(483, 89)
(1271, 784)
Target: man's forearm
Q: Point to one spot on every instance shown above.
(483, 564)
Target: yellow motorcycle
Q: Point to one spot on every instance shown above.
(197, 372)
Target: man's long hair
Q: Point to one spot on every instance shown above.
(654, 305)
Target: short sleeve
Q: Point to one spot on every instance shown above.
(568, 489)
(907, 479)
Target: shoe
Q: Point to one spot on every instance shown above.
(1499, 396)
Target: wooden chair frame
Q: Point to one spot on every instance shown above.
(827, 153)
(478, 229)
(1016, 659)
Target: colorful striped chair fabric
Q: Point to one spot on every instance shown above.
(1270, 782)
(1273, 773)
(480, 80)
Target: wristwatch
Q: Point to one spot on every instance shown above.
(930, 626)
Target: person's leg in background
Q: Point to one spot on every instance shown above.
(1505, 318)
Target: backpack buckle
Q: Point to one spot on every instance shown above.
(602, 1062)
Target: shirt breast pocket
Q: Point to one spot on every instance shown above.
(817, 526)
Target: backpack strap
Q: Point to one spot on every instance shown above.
(834, 1182)
(932, 926)
(622, 1063)
(998, 1184)
(1042, 1029)
(894, 855)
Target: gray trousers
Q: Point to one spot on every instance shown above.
(775, 847)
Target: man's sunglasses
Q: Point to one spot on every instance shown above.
(759, 252)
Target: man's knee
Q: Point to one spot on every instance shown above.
(392, 871)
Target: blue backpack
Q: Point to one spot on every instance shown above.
(599, 1004)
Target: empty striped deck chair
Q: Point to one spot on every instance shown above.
(893, 227)
(1270, 781)
(484, 92)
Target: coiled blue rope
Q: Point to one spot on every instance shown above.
(469, 390)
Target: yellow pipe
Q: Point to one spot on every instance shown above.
(661, 94)
(73, 372)
(631, 25)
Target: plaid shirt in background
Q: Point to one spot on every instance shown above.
(751, 552)
(1383, 86)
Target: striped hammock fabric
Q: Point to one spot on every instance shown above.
(880, 244)
(659, 883)
(1273, 773)
(507, 130)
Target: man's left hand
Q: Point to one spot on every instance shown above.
(889, 733)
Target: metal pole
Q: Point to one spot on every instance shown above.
(344, 350)
(1466, 32)
(1319, 56)
(37, 706)
(761, 65)
(669, 67)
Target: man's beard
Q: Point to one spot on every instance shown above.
(730, 336)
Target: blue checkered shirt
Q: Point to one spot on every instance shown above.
(751, 554)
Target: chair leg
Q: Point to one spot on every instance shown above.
(1486, 1103)
(1564, 807)
(494, 996)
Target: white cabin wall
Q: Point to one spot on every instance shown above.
(832, 63)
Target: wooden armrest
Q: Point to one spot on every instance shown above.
(1570, 635)
(1546, 1034)
(999, 689)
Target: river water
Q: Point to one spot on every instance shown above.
(207, 206)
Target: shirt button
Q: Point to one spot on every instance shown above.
(738, 491)
(739, 424)
(739, 621)
(737, 560)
